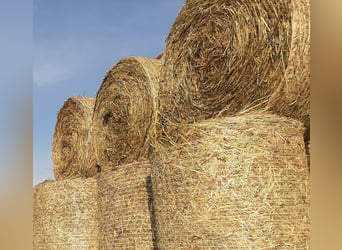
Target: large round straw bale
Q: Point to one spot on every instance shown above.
(232, 183)
(65, 215)
(223, 57)
(125, 205)
(125, 111)
(292, 98)
(71, 149)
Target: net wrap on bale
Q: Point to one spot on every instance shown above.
(232, 183)
(125, 111)
(72, 145)
(124, 199)
(65, 215)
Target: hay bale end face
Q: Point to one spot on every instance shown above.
(125, 111)
(292, 97)
(223, 57)
(71, 149)
(233, 183)
(65, 215)
(124, 200)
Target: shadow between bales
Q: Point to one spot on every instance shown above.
(152, 213)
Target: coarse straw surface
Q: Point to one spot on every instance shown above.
(71, 148)
(65, 215)
(125, 205)
(223, 57)
(232, 183)
(125, 111)
(292, 97)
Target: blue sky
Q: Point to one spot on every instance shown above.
(75, 43)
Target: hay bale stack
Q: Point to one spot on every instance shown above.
(124, 200)
(71, 147)
(232, 183)
(292, 98)
(125, 111)
(65, 215)
(224, 57)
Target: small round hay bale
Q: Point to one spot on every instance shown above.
(125, 204)
(292, 97)
(223, 57)
(232, 183)
(71, 148)
(125, 111)
(65, 215)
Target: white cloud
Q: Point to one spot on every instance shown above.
(55, 62)
(52, 72)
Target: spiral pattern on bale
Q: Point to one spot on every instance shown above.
(292, 98)
(125, 111)
(224, 58)
(72, 153)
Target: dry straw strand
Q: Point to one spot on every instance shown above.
(227, 57)
(232, 183)
(124, 199)
(125, 111)
(72, 146)
(65, 215)
(223, 57)
(292, 97)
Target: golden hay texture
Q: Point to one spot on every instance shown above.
(224, 57)
(71, 147)
(232, 183)
(65, 215)
(125, 207)
(125, 111)
(293, 95)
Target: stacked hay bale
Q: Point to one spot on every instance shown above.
(292, 96)
(93, 135)
(71, 149)
(222, 57)
(233, 183)
(228, 57)
(65, 215)
(125, 112)
(124, 121)
(239, 182)
(125, 204)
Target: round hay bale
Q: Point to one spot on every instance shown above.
(232, 183)
(125, 111)
(125, 204)
(71, 148)
(224, 57)
(65, 215)
(292, 97)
